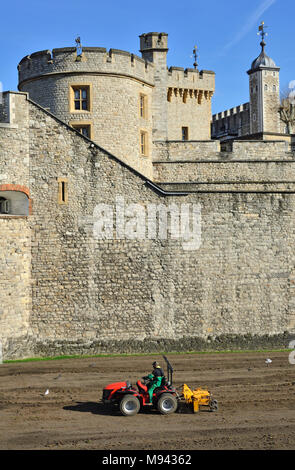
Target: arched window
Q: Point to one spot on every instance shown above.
(14, 203)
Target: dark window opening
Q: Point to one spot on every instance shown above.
(63, 191)
(4, 206)
(184, 131)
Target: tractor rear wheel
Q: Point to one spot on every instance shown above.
(129, 405)
(167, 404)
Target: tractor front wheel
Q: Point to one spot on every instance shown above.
(129, 405)
(167, 404)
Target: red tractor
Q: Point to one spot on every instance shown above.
(131, 399)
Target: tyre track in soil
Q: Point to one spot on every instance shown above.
(256, 404)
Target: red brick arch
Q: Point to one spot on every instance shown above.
(20, 188)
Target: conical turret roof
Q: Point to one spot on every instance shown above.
(263, 60)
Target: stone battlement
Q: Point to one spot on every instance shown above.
(95, 60)
(179, 77)
(230, 112)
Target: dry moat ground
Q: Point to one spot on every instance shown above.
(256, 404)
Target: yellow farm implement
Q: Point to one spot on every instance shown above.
(194, 399)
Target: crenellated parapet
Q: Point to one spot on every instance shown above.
(94, 60)
(190, 84)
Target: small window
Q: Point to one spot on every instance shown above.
(254, 117)
(84, 129)
(184, 133)
(274, 88)
(62, 190)
(143, 106)
(143, 143)
(80, 98)
(4, 206)
(265, 87)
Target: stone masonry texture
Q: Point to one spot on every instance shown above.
(88, 295)
(66, 290)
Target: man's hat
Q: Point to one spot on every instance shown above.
(155, 364)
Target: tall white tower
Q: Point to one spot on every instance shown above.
(264, 90)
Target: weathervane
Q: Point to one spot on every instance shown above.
(262, 33)
(195, 56)
(78, 46)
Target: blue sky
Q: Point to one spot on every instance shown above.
(224, 30)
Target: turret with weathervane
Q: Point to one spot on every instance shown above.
(259, 118)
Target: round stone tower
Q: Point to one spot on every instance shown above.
(105, 95)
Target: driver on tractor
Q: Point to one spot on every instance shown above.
(155, 378)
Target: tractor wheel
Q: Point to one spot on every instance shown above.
(129, 405)
(213, 405)
(167, 404)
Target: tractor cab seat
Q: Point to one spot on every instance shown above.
(163, 383)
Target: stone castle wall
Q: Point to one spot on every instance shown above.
(235, 121)
(94, 293)
(124, 294)
(15, 231)
(248, 163)
(15, 284)
(192, 150)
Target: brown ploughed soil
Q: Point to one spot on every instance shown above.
(256, 404)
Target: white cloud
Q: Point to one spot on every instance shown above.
(252, 21)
